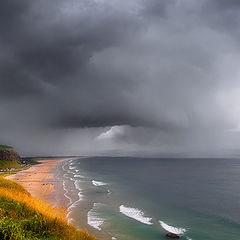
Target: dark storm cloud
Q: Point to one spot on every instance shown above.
(11, 13)
(164, 65)
(158, 7)
(54, 49)
(223, 15)
(224, 4)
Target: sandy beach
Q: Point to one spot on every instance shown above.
(42, 182)
(39, 180)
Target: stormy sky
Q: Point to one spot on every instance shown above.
(120, 76)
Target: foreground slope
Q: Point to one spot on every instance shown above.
(23, 217)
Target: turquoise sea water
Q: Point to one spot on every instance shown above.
(126, 197)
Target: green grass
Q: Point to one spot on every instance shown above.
(31, 161)
(4, 164)
(5, 147)
(9, 163)
(4, 174)
(25, 218)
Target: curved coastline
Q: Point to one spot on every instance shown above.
(39, 179)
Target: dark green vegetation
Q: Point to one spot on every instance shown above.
(5, 164)
(9, 158)
(25, 218)
(4, 147)
(31, 160)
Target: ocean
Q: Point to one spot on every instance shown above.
(128, 198)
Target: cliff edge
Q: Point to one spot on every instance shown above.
(9, 158)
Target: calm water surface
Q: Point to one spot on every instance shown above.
(126, 197)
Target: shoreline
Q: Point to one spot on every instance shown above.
(39, 180)
(43, 182)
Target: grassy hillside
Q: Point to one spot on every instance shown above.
(23, 217)
(4, 164)
(9, 158)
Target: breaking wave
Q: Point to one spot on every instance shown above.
(71, 168)
(98, 183)
(75, 203)
(78, 176)
(94, 219)
(172, 229)
(135, 214)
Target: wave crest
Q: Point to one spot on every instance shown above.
(98, 183)
(93, 219)
(172, 229)
(135, 214)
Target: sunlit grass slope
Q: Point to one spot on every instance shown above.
(23, 217)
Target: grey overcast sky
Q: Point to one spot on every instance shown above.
(120, 76)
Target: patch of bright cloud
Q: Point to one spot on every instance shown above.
(113, 133)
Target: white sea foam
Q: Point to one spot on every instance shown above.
(93, 218)
(74, 204)
(69, 192)
(135, 214)
(77, 170)
(98, 183)
(66, 192)
(172, 229)
(67, 177)
(77, 184)
(78, 176)
(71, 168)
(65, 165)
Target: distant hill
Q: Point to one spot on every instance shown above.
(9, 158)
